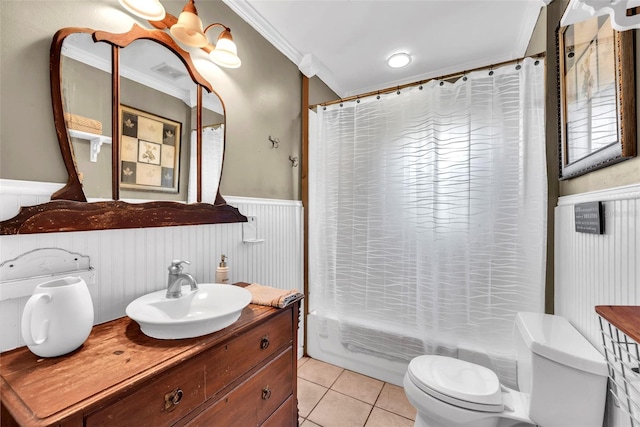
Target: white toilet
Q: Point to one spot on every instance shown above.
(562, 380)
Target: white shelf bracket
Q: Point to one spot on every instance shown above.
(95, 140)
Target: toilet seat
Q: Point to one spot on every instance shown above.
(457, 382)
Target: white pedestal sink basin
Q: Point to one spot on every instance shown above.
(208, 309)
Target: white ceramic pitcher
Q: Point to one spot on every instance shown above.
(58, 317)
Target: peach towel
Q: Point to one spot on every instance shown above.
(266, 295)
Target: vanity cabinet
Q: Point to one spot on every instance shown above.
(243, 375)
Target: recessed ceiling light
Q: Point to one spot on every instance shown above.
(399, 60)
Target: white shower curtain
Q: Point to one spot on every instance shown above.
(428, 216)
(212, 152)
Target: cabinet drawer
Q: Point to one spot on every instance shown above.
(284, 415)
(256, 399)
(162, 402)
(228, 362)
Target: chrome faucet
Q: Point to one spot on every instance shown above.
(176, 279)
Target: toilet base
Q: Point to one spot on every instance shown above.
(432, 412)
(423, 420)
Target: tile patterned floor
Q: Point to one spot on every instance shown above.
(329, 396)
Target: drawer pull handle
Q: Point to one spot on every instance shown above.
(266, 393)
(264, 342)
(172, 398)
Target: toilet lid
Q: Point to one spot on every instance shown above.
(457, 382)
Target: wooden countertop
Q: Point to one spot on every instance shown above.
(116, 357)
(624, 317)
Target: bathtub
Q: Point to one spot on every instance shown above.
(326, 342)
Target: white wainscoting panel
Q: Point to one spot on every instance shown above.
(593, 269)
(15, 194)
(130, 263)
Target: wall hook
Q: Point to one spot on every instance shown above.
(294, 161)
(274, 141)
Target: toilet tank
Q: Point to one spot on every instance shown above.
(565, 376)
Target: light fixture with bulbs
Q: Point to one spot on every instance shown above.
(187, 29)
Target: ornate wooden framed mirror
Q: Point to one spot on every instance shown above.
(129, 110)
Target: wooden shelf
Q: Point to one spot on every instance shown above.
(624, 317)
(620, 328)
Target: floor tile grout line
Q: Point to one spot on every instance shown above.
(322, 385)
(355, 398)
(353, 372)
(395, 413)
(346, 395)
(368, 416)
(379, 393)
(330, 387)
(318, 402)
(372, 405)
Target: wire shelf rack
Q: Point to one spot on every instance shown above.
(620, 328)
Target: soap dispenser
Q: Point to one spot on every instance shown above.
(222, 272)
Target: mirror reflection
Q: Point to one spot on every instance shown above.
(86, 96)
(158, 110)
(157, 101)
(213, 139)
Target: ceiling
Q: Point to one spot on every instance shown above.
(346, 42)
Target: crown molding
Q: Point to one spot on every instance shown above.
(306, 62)
(251, 16)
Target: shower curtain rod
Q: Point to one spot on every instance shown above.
(406, 85)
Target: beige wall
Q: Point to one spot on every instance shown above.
(262, 98)
(319, 92)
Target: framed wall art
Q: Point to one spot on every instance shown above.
(149, 151)
(597, 96)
